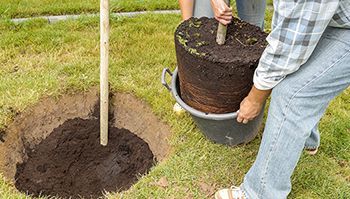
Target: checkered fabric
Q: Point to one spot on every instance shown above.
(297, 26)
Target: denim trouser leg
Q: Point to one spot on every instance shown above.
(297, 104)
(251, 11)
(313, 141)
(202, 8)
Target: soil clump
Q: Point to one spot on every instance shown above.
(216, 78)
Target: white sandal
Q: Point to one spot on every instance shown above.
(311, 151)
(230, 193)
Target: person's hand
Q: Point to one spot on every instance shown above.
(251, 106)
(222, 12)
(248, 110)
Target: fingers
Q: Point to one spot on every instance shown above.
(239, 118)
(225, 11)
(224, 16)
(242, 119)
(222, 12)
(223, 21)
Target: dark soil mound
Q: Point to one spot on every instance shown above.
(215, 78)
(70, 162)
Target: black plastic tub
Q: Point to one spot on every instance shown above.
(219, 128)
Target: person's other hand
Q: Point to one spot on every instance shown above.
(222, 12)
(249, 109)
(251, 106)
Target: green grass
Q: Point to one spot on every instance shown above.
(38, 59)
(27, 8)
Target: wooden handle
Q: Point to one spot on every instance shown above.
(104, 45)
(222, 29)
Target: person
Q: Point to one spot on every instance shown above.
(304, 66)
(251, 11)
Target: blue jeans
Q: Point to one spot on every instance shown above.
(251, 11)
(297, 104)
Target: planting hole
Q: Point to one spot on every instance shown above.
(53, 149)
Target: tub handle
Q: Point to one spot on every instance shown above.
(165, 71)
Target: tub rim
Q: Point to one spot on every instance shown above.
(173, 89)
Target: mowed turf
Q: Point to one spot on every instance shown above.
(38, 59)
(27, 8)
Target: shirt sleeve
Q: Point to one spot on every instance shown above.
(296, 29)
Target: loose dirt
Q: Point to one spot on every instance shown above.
(72, 163)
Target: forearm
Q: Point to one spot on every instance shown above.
(258, 96)
(186, 7)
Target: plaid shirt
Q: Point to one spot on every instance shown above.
(297, 26)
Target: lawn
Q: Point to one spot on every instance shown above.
(39, 59)
(28, 8)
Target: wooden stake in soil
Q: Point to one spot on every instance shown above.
(104, 45)
(222, 29)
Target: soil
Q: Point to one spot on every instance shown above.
(33, 125)
(216, 78)
(2, 136)
(70, 162)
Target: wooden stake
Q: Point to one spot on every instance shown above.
(222, 29)
(104, 45)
